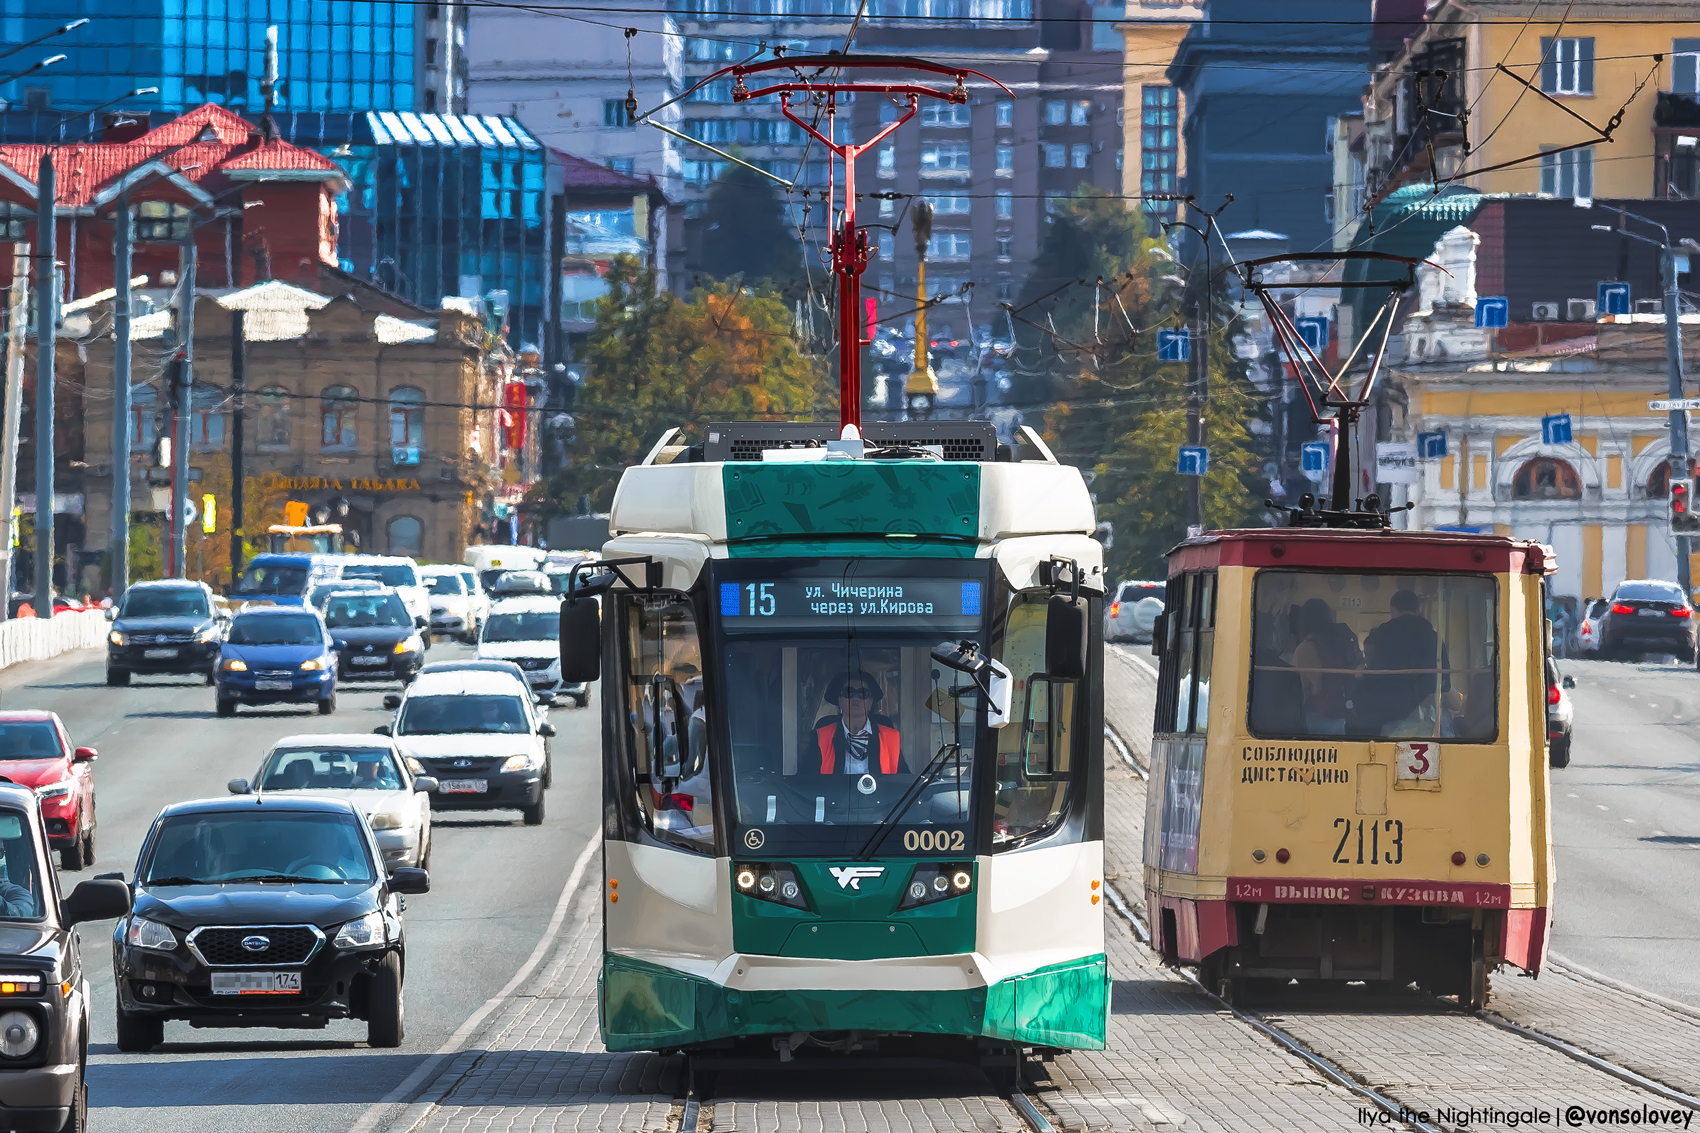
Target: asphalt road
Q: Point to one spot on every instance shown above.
(1626, 827)
(494, 886)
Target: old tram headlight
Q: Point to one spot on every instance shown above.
(937, 881)
(19, 1034)
(770, 881)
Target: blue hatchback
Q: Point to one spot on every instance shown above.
(277, 655)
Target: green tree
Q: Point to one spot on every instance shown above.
(658, 361)
(745, 232)
(1117, 411)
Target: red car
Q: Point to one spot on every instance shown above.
(36, 752)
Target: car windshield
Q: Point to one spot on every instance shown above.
(390, 574)
(1648, 592)
(469, 712)
(275, 629)
(363, 610)
(20, 881)
(258, 844)
(29, 739)
(352, 586)
(1134, 591)
(837, 710)
(268, 578)
(529, 625)
(337, 768)
(1371, 655)
(174, 602)
(489, 577)
(447, 584)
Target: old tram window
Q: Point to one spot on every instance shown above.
(1183, 697)
(1375, 655)
(667, 721)
(1036, 764)
(1544, 478)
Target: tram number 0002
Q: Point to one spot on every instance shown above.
(1385, 841)
(933, 840)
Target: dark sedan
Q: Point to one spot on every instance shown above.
(166, 626)
(375, 636)
(262, 910)
(1647, 616)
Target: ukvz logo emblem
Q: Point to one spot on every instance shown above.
(852, 876)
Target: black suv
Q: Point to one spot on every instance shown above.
(1647, 616)
(44, 995)
(262, 910)
(168, 626)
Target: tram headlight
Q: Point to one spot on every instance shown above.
(770, 881)
(937, 881)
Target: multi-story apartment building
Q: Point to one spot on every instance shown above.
(1154, 161)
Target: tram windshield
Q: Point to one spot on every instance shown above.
(840, 720)
(1375, 655)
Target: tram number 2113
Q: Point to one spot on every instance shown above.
(934, 840)
(1385, 840)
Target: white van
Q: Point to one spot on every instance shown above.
(491, 560)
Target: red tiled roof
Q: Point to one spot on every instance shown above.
(281, 155)
(583, 175)
(231, 128)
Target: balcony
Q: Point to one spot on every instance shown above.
(1676, 146)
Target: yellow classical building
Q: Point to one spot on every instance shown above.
(1153, 159)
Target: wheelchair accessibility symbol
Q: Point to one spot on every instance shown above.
(753, 839)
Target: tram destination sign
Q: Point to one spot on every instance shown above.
(886, 601)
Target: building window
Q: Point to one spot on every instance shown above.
(1006, 292)
(1685, 66)
(206, 417)
(1080, 156)
(888, 248)
(1658, 484)
(1119, 156)
(948, 246)
(430, 52)
(1567, 65)
(715, 131)
(407, 425)
(1056, 156)
(888, 161)
(944, 159)
(1006, 113)
(430, 102)
(1546, 479)
(404, 532)
(159, 222)
(36, 98)
(720, 90)
(1079, 113)
(616, 113)
(1006, 204)
(144, 419)
(337, 408)
(1006, 247)
(775, 132)
(1006, 161)
(1159, 148)
(1569, 173)
(951, 205)
(1051, 200)
(1056, 113)
(945, 114)
(626, 165)
(273, 432)
(15, 221)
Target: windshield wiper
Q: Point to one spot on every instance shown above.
(285, 877)
(153, 881)
(903, 804)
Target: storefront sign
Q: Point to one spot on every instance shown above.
(336, 484)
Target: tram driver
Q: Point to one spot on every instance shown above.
(1401, 656)
(857, 741)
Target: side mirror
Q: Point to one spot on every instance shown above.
(237, 786)
(111, 613)
(425, 784)
(548, 729)
(89, 754)
(1568, 682)
(392, 700)
(1066, 634)
(421, 623)
(338, 643)
(406, 879)
(581, 640)
(384, 730)
(95, 900)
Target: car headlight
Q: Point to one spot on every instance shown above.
(517, 763)
(208, 634)
(144, 933)
(415, 766)
(312, 665)
(115, 637)
(19, 1034)
(234, 666)
(384, 820)
(367, 932)
(53, 790)
(411, 645)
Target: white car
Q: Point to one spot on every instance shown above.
(475, 589)
(479, 734)
(1127, 615)
(401, 575)
(454, 610)
(1588, 633)
(527, 631)
(367, 770)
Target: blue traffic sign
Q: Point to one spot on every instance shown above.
(1314, 458)
(1314, 330)
(1613, 299)
(1431, 446)
(1174, 345)
(1555, 429)
(1493, 311)
(1193, 460)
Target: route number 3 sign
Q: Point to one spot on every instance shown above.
(1418, 759)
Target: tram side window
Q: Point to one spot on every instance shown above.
(1184, 688)
(1375, 655)
(666, 721)
(1036, 762)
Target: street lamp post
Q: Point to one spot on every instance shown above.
(46, 335)
(921, 391)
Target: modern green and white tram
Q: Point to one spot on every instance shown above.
(852, 744)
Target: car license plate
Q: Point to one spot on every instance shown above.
(463, 786)
(158, 654)
(1649, 613)
(370, 660)
(256, 983)
(274, 686)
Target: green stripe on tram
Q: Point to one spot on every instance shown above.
(920, 509)
(645, 1006)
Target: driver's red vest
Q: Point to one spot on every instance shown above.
(891, 744)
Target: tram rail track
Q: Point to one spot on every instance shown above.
(697, 1112)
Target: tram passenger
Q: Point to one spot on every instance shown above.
(1327, 659)
(1400, 656)
(858, 740)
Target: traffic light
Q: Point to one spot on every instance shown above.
(162, 452)
(209, 514)
(1683, 520)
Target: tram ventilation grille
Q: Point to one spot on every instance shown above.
(747, 440)
(287, 945)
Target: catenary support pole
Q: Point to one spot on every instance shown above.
(118, 558)
(180, 405)
(238, 421)
(17, 318)
(1678, 417)
(46, 339)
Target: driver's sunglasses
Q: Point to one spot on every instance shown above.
(856, 694)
